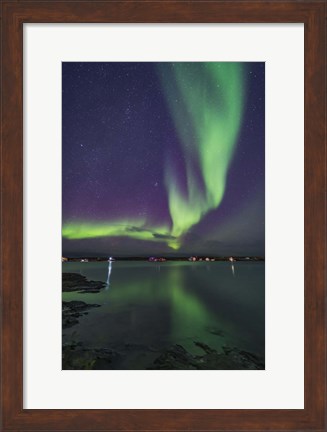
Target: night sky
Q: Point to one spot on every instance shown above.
(163, 158)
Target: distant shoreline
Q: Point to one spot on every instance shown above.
(201, 258)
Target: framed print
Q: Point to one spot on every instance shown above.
(169, 227)
(163, 215)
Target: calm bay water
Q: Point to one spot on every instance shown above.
(148, 307)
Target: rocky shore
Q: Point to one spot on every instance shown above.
(73, 310)
(230, 359)
(79, 283)
(76, 356)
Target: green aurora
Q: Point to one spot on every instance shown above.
(207, 120)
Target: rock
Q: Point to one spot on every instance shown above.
(78, 282)
(174, 358)
(205, 348)
(247, 359)
(178, 358)
(77, 357)
(73, 310)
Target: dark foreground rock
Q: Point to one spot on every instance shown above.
(73, 310)
(78, 282)
(77, 357)
(177, 358)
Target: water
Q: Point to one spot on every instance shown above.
(148, 307)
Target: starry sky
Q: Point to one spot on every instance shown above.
(163, 159)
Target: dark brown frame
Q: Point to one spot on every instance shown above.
(14, 13)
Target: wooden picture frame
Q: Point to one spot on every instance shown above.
(14, 14)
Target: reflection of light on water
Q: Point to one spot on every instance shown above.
(233, 270)
(108, 276)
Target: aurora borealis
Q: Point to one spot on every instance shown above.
(163, 158)
(207, 122)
